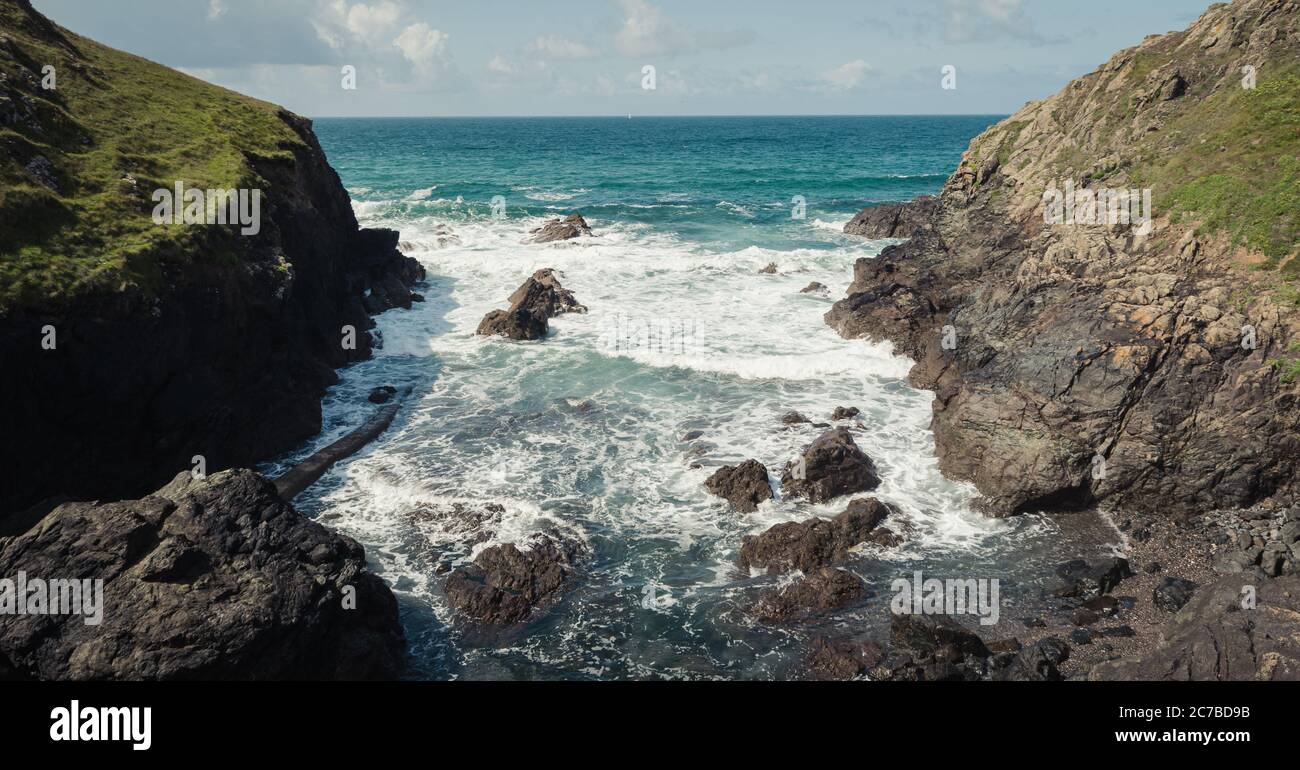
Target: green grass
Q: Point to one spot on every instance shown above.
(1238, 169)
(115, 115)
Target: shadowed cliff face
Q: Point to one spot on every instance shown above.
(1151, 368)
(171, 341)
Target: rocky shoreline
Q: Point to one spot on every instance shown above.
(1111, 366)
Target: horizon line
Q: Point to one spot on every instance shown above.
(622, 116)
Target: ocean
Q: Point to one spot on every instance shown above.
(583, 433)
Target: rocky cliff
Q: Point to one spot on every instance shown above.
(1080, 360)
(130, 347)
(214, 578)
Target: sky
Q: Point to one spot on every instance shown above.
(590, 57)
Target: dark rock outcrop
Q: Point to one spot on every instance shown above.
(744, 485)
(814, 543)
(837, 659)
(830, 466)
(539, 299)
(205, 579)
(894, 220)
(1088, 580)
(1231, 629)
(572, 226)
(1075, 364)
(821, 591)
(505, 584)
(1172, 593)
(224, 356)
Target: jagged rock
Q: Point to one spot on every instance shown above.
(1076, 342)
(1087, 580)
(505, 585)
(517, 324)
(838, 659)
(927, 635)
(1172, 593)
(769, 269)
(845, 413)
(829, 467)
(744, 485)
(822, 591)
(1216, 636)
(543, 295)
(42, 170)
(539, 299)
(214, 578)
(815, 287)
(572, 226)
(1038, 662)
(815, 542)
(894, 220)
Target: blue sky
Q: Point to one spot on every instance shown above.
(586, 57)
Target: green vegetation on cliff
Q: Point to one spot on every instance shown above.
(114, 129)
(1239, 169)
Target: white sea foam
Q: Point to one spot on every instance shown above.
(501, 421)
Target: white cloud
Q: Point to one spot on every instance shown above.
(339, 24)
(552, 47)
(216, 9)
(847, 76)
(424, 47)
(499, 65)
(647, 31)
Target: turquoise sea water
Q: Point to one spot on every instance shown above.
(582, 433)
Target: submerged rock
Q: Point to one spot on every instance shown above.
(815, 542)
(382, 394)
(505, 584)
(829, 467)
(822, 591)
(214, 578)
(769, 269)
(744, 485)
(815, 287)
(572, 226)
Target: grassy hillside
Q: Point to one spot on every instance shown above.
(116, 128)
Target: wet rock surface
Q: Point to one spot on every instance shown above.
(813, 543)
(835, 659)
(572, 226)
(506, 584)
(215, 578)
(1071, 345)
(820, 592)
(745, 486)
(539, 299)
(894, 220)
(829, 467)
